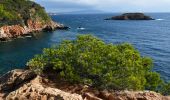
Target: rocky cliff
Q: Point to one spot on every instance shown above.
(23, 17)
(26, 85)
(13, 31)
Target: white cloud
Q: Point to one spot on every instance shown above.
(118, 5)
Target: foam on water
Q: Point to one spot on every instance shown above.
(159, 19)
(81, 28)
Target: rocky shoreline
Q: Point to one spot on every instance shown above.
(8, 32)
(22, 84)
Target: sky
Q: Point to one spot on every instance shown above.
(64, 6)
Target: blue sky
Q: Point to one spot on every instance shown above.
(62, 6)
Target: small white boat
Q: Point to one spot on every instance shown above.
(81, 28)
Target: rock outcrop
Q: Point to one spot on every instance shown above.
(13, 31)
(26, 85)
(133, 95)
(34, 90)
(14, 78)
(131, 16)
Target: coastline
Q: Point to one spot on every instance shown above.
(8, 32)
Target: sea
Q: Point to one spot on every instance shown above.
(151, 38)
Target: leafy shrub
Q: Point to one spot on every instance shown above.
(165, 89)
(89, 60)
(6, 14)
(152, 81)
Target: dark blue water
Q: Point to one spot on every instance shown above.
(151, 38)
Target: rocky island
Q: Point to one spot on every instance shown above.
(131, 16)
(24, 17)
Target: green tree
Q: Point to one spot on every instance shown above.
(153, 79)
(91, 61)
(19, 11)
(165, 88)
(5, 14)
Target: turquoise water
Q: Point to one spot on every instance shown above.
(151, 38)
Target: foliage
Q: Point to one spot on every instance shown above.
(6, 14)
(165, 89)
(91, 61)
(19, 11)
(153, 79)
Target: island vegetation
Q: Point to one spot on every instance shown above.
(88, 60)
(131, 16)
(19, 11)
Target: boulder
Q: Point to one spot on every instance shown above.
(131, 16)
(14, 78)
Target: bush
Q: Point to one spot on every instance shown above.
(152, 81)
(91, 61)
(165, 89)
(6, 14)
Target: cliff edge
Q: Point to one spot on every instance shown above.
(22, 17)
(26, 85)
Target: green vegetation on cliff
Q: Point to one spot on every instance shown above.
(19, 11)
(89, 60)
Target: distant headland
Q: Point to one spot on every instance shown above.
(24, 17)
(131, 16)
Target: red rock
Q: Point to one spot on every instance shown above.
(104, 95)
(14, 31)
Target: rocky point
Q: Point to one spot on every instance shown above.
(13, 31)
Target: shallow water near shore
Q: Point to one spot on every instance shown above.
(151, 38)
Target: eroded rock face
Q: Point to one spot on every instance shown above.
(54, 26)
(26, 85)
(14, 31)
(133, 95)
(11, 31)
(131, 16)
(36, 91)
(14, 78)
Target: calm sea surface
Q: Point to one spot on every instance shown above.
(151, 38)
